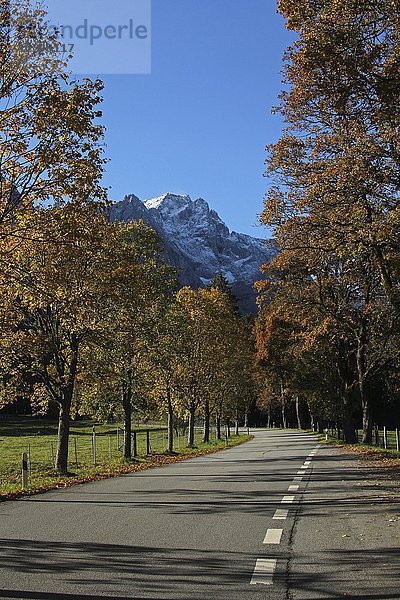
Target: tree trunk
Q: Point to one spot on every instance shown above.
(367, 422)
(349, 434)
(170, 422)
(190, 441)
(283, 407)
(284, 422)
(65, 410)
(127, 406)
(365, 400)
(299, 424)
(206, 434)
(237, 425)
(346, 377)
(228, 428)
(377, 437)
(218, 426)
(269, 418)
(63, 438)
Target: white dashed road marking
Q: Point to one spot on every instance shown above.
(287, 499)
(273, 536)
(264, 571)
(280, 514)
(265, 567)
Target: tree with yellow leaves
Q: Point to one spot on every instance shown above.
(335, 202)
(50, 142)
(215, 357)
(121, 361)
(337, 163)
(80, 292)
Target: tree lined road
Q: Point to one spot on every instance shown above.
(201, 528)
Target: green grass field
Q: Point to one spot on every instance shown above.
(38, 438)
(391, 448)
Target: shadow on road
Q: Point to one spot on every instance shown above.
(22, 595)
(343, 565)
(94, 563)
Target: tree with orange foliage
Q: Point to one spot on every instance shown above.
(335, 203)
(50, 142)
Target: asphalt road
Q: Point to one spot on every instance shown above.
(204, 528)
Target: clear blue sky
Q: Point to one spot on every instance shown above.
(200, 122)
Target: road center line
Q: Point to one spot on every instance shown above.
(263, 571)
(287, 499)
(273, 536)
(280, 514)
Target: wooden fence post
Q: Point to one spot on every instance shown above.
(25, 481)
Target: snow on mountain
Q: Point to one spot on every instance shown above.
(199, 243)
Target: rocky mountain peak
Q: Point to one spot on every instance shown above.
(167, 203)
(199, 243)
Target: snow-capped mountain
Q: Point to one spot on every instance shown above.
(199, 243)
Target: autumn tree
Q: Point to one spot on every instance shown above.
(68, 293)
(337, 305)
(195, 369)
(51, 153)
(216, 358)
(143, 288)
(268, 400)
(338, 158)
(166, 357)
(50, 142)
(334, 205)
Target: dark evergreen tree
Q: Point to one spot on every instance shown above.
(220, 282)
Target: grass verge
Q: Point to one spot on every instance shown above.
(48, 479)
